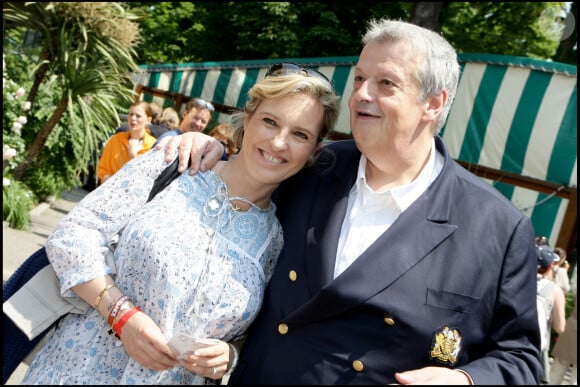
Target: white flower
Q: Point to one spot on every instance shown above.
(16, 126)
(5, 182)
(26, 106)
(22, 120)
(9, 153)
(20, 92)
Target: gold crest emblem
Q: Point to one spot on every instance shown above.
(446, 345)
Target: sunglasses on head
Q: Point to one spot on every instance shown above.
(292, 68)
(204, 104)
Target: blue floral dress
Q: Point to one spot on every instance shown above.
(186, 258)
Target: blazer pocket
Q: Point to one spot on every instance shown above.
(451, 301)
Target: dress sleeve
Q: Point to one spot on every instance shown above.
(77, 247)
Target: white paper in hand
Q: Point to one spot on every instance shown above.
(183, 343)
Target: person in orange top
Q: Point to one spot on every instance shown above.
(124, 146)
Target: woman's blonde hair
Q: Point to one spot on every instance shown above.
(289, 84)
(169, 118)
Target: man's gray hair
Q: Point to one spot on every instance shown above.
(437, 65)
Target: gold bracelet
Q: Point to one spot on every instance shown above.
(101, 294)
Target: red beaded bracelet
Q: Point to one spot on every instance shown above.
(115, 309)
(119, 325)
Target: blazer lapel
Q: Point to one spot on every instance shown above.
(389, 257)
(322, 242)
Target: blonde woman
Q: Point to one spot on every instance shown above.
(169, 118)
(194, 261)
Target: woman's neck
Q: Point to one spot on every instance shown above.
(239, 184)
(137, 133)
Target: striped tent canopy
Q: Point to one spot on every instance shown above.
(519, 115)
(511, 114)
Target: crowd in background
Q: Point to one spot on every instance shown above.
(147, 123)
(555, 282)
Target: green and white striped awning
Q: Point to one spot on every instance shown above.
(512, 114)
(519, 115)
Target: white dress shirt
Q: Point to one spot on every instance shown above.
(370, 214)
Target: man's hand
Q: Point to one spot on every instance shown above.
(204, 151)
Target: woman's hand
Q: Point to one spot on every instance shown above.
(210, 362)
(203, 150)
(144, 342)
(134, 147)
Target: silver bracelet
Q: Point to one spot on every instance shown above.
(234, 360)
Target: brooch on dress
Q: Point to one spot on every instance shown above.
(213, 204)
(446, 345)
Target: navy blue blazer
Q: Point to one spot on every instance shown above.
(451, 283)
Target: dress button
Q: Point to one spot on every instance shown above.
(292, 275)
(358, 365)
(282, 329)
(389, 321)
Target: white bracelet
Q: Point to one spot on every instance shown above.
(234, 360)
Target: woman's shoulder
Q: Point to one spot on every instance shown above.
(119, 138)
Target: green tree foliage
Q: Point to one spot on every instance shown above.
(88, 48)
(223, 31)
(519, 29)
(77, 79)
(168, 31)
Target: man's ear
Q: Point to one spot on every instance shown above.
(434, 105)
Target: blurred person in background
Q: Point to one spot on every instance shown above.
(124, 146)
(169, 118)
(542, 241)
(225, 134)
(551, 303)
(561, 270)
(565, 351)
(156, 128)
(195, 118)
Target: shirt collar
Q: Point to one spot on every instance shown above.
(406, 194)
